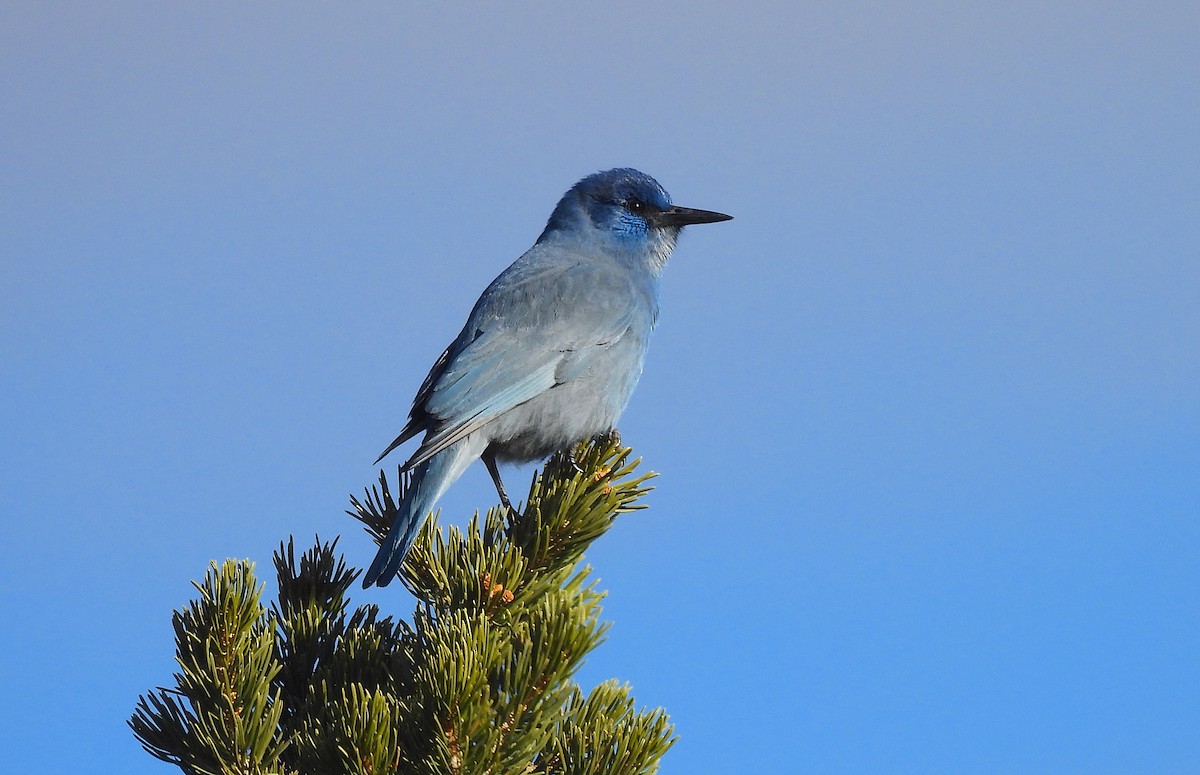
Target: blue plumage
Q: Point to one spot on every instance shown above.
(552, 350)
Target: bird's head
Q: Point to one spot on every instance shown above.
(625, 212)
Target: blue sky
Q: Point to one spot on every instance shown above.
(927, 413)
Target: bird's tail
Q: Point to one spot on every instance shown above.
(429, 480)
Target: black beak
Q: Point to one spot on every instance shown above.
(686, 216)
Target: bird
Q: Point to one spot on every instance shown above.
(551, 351)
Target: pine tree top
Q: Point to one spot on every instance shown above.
(480, 680)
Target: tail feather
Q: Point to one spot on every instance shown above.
(395, 547)
(429, 480)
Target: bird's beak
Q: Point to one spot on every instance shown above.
(685, 216)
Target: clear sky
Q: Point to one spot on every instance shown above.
(927, 413)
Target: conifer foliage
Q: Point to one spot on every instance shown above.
(480, 681)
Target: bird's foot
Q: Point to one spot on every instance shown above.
(489, 460)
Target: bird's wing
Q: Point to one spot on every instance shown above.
(538, 325)
(417, 418)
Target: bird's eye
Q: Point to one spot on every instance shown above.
(635, 206)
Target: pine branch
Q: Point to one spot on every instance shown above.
(222, 717)
(604, 735)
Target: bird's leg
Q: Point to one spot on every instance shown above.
(572, 461)
(489, 460)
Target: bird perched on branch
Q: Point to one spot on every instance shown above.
(550, 353)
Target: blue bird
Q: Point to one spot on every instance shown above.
(552, 350)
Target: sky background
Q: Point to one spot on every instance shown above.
(927, 413)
